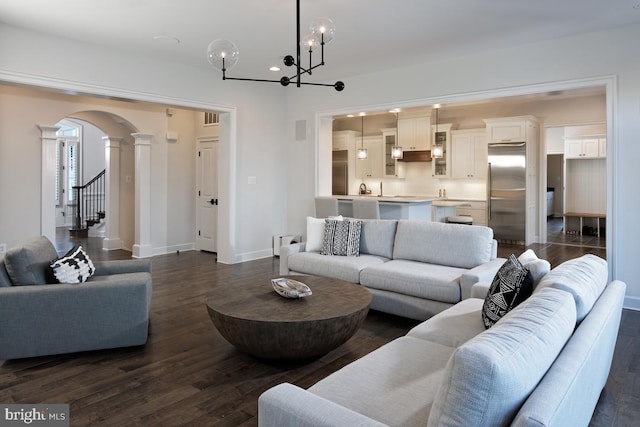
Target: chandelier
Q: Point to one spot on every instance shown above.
(223, 54)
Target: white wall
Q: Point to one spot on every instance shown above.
(538, 67)
(255, 145)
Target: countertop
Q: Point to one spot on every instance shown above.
(393, 199)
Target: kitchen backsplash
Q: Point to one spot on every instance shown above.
(419, 182)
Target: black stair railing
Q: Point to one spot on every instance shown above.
(89, 208)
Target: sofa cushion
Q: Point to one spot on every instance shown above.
(511, 285)
(74, 267)
(28, 264)
(453, 326)
(377, 237)
(584, 278)
(454, 245)
(394, 385)
(341, 237)
(5, 281)
(422, 280)
(337, 267)
(488, 378)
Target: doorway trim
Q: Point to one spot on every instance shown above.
(226, 161)
(609, 82)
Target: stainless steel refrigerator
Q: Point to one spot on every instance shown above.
(507, 190)
(340, 173)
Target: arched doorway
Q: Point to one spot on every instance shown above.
(117, 145)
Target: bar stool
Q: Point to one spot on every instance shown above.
(326, 207)
(366, 209)
(460, 219)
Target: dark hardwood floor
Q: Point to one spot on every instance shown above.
(187, 374)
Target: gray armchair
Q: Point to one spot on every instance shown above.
(38, 318)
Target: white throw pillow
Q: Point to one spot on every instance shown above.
(537, 266)
(315, 233)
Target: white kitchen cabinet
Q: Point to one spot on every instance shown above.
(476, 210)
(371, 167)
(468, 154)
(441, 166)
(344, 140)
(505, 130)
(585, 148)
(390, 166)
(602, 147)
(413, 133)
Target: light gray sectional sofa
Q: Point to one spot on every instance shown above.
(38, 317)
(413, 269)
(543, 364)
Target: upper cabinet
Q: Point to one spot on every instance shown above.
(390, 166)
(499, 130)
(469, 154)
(371, 167)
(585, 147)
(413, 133)
(441, 137)
(344, 140)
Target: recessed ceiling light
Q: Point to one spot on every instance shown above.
(169, 39)
(274, 68)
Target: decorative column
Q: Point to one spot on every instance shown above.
(112, 238)
(48, 186)
(142, 247)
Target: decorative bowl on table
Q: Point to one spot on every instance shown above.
(290, 288)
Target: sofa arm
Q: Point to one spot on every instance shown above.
(106, 312)
(105, 268)
(480, 290)
(482, 273)
(287, 405)
(287, 250)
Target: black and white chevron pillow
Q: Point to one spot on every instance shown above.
(74, 267)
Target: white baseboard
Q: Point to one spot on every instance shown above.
(183, 247)
(250, 256)
(631, 303)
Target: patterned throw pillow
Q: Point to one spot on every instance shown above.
(341, 237)
(74, 267)
(512, 284)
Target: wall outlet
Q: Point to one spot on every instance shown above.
(3, 248)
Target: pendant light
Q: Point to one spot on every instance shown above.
(396, 151)
(362, 152)
(224, 54)
(437, 150)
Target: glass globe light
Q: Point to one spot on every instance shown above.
(362, 153)
(397, 153)
(220, 49)
(323, 28)
(309, 42)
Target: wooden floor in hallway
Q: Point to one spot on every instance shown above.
(188, 374)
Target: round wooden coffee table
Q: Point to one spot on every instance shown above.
(254, 318)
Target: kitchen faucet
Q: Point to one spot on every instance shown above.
(363, 188)
(380, 189)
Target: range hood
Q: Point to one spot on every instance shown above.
(416, 156)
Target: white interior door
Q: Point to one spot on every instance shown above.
(207, 183)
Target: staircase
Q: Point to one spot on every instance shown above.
(89, 208)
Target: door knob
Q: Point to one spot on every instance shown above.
(213, 201)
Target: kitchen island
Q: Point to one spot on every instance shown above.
(393, 207)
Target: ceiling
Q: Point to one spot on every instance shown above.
(370, 35)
